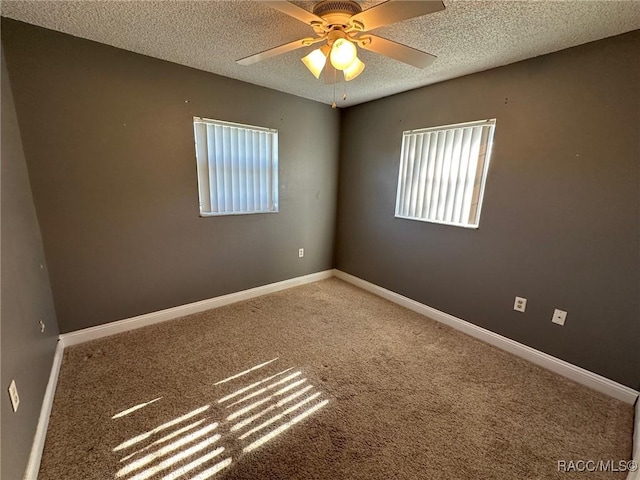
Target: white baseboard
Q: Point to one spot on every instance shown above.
(119, 326)
(636, 443)
(31, 473)
(566, 369)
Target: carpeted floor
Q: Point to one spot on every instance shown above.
(323, 381)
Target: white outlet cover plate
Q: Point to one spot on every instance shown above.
(13, 395)
(520, 304)
(559, 316)
(301, 252)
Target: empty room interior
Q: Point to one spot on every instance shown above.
(414, 254)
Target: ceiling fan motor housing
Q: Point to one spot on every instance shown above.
(337, 13)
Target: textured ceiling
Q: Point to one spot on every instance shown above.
(467, 37)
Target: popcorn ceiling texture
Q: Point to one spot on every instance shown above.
(467, 37)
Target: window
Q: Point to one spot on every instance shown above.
(237, 168)
(443, 172)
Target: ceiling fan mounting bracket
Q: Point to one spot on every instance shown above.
(346, 7)
(336, 14)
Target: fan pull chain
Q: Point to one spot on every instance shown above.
(333, 104)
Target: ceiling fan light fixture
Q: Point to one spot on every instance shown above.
(353, 70)
(315, 61)
(343, 54)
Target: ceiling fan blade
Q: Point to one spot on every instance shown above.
(399, 52)
(330, 75)
(395, 11)
(272, 52)
(294, 11)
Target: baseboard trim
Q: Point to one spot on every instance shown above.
(33, 466)
(636, 443)
(119, 326)
(561, 367)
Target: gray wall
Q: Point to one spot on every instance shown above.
(560, 223)
(27, 354)
(108, 138)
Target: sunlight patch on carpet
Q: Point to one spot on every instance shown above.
(282, 428)
(238, 375)
(193, 450)
(149, 458)
(160, 428)
(166, 438)
(150, 472)
(134, 408)
(253, 385)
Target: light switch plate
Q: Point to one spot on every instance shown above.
(559, 316)
(13, 394)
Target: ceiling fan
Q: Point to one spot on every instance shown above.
(343, 25)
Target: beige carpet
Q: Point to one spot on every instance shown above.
(345, 386)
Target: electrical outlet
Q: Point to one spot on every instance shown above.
(41, 326)
(300, 252)
(13, 395)
(559, 317)
(520, 304)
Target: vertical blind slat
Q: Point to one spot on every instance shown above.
(228, 185)
(431, 163)
(477, 181)
(202, 160)
(237, 184)
(407, 184)
(462, 174)
(267, 176)
(413, 199)
(209, 145)
(404, 177)
(219, 167)
(453, 175)
(233, 163)
(437, 175)
(471, 173)
(255, 140)
(209, 142)
(399, 192)
(274, 171)
(424, 162)
(261, 171)
(444, 178)
(248, 171)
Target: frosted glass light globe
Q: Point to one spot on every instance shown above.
(343, 53)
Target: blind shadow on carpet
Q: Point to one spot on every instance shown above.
(255, 413)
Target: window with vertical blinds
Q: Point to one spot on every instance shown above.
(237, 168)
(443, 171)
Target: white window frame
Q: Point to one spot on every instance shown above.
(409, 188)
(231, 174)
